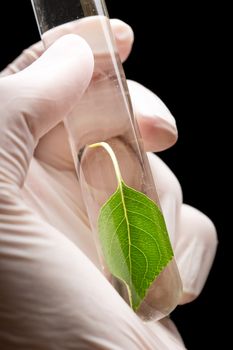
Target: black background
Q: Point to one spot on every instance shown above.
(177, 54)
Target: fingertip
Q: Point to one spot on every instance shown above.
(124, 37)
(156, 123)
(64, 69)
(195, 250)
(53, 84)
(72, 55)
(157, 134)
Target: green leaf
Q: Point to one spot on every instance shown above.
(133, 237)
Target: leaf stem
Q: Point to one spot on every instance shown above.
(112, 155)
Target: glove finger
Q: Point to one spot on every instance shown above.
(37, 98)
(170, 194)
(124, 40)
(157, 126)
(25, 59)
(195, 250)
(192, 234)
(124, 37)
(156, 123)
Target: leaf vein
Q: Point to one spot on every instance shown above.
(114, 234)
(142, 203)
(140, 229)
(109, 216)
(146, 270)
(140, 214)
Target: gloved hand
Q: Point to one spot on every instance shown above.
(52, 294)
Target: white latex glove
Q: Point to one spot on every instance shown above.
(52, 294)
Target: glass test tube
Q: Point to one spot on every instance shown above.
(105, 114)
